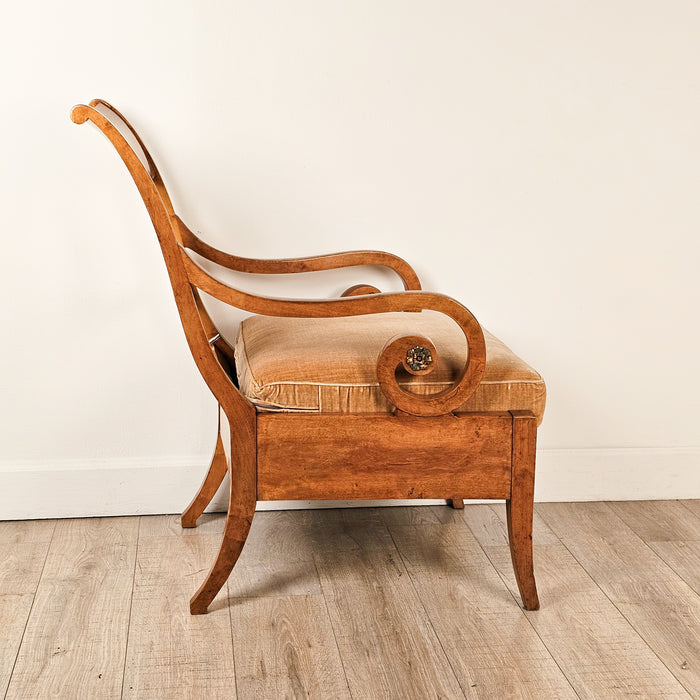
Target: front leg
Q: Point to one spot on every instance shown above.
(519, 508)
(241, 508)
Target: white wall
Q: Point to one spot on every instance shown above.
(539, 161)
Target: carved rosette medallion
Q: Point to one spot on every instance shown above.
(419, 358)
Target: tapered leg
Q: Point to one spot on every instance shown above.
(210, 485)
(236, 531)
(519, 508)
(456, 503)
(241, 508)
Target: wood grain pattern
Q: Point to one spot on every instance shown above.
(241, 460)
(519, 507)
(660, 606)
(316, 263)
(683, 557)
(591, 641)
(285, 648)
(658, 521)
(400, 515)
(595, 646)
(394, 351)
(692, 506)
(392, 625)
(439, 584)
(213, 479)
(670, 530)
(172, 654)
(86, 583)
(336, 457)
(382, 456)
(488, 524)
(23, 549)
(490, 644)
(277, 559)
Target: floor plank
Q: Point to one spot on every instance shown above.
(23, 549)
(283, 640)
(658, 521)
(683, 558)
(388, 646)
(493, 649)
(693, 506)
(76, 635)
(671, 529)
(660, 606)
(487, 523)
(594, 645)
(173, 654)
(323, 604)
(402, 515)
(277, 559)
(284, 648)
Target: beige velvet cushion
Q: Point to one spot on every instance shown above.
(329, 365)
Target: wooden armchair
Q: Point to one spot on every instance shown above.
(334, 399)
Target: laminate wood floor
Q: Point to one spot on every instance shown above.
(416, 602)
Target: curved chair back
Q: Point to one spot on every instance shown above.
(211, 353)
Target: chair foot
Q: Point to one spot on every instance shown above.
(456, 503)
(241, 509)
(519, 508)
(238, 521)
(209, 487)
(520, 541)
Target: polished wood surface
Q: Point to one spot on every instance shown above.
(112, 601)
(382, 456)
(213, 479)
(422, 450)
(519, 507)
(333, 261)
(394, 352)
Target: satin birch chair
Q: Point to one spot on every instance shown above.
(367, 396)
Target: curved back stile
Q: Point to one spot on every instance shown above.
(154, 173)
(201, 332)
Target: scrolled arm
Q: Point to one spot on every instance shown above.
(333, 261)
(416, 353)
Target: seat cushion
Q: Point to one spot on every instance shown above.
(329, 365)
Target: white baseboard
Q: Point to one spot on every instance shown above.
(140, 487)
(618, 474)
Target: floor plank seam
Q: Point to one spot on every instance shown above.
(680, 575)
(684, 503)
(335, 636)
(131, 605)
(29, 614)
(427, 615)
(233, 641)
(612, 602)
(654, 552)
(527, 617)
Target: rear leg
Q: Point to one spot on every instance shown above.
(210, 485)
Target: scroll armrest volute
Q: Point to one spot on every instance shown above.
(415, 353)
(333, 261)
